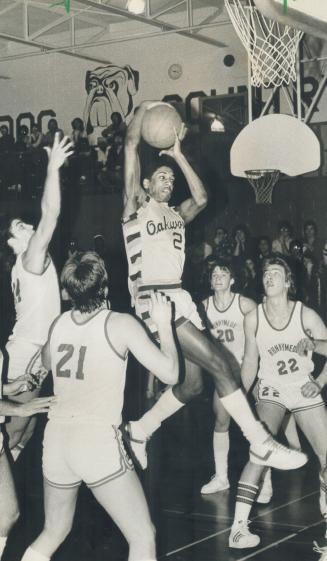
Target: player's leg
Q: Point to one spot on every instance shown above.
(9, 511)
(136, 433)
(290, 431)
(219, 481)
(59, 508)
(124, 501)
(222, 366)
(271, 414)
(313, 423)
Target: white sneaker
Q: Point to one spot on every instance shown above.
(273, 454)
(266, 491)
(241, 537)
(216, 483)
(322, 550)
(135, 447)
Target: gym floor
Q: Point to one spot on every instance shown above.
(189, 526)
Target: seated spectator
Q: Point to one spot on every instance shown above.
(281, 244)
(222, 246)
(23, 139)
(249, 274)
(115, 159)
(263, 249)
(323, 283)
(36, 138)
(311, 281)
(52, 129)
(311, 241)
(117, 126)
(79, 137)
(6, 140)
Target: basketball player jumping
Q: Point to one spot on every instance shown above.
(272, 333)
(87, 352)
(9, 509)
(35, 288)
(154, 236)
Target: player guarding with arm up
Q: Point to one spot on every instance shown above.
(87, 352)
(154, 236)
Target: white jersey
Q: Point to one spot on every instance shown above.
(279, 361)
(37, 302)
(155, 247)
(227, 325)
(88, 373)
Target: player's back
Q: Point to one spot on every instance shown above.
(88, 373)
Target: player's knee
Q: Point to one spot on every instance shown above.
(221, 425)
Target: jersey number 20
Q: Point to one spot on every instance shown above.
(69, 350)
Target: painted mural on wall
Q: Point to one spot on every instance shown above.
(110, 89)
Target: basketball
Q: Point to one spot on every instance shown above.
(159, 124)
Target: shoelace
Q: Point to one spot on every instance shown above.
(278, 446)
(319, 549)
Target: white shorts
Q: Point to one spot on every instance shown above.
(74, 452)
(289, 397)
(25, 358)
(184, 309)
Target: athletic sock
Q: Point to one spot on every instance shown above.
(32, 555)
(3, 541)
(166, 406)
(237, 406)
(220, 452)
(323, 496)
(246, 495)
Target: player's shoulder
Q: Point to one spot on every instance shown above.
(121, 320)
(247, 305)
(309, 316)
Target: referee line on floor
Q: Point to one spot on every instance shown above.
(277, 542)
(220, 532)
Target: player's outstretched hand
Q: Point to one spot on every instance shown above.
(304, 346)
(311, 389)
(175, 150)
(160, 309)
(22, 384)
(36, 405)
(60, 150)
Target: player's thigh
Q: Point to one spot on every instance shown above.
(271, 415)
(222, 417)
(59, 507)
(313, 423)
(124, 500)
(193, 374)
(8, 499)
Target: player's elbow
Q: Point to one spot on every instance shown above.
(171, 372)
(202, 201)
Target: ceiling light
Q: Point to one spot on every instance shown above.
(136, 6)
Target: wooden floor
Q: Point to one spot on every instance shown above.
(189, 527)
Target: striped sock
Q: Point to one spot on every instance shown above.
(323, 496)
(245, 497)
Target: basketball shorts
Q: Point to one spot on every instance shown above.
(184, 309)
(75, 452)
(25, 358)
(287, 396)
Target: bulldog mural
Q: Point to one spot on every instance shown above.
(109, 89)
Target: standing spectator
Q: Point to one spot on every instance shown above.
(117, 127)
(323, 283)
(263, 249)
(281, 244)
(6, 140)
(242, 244)
(222, 246)
(37, 137)
(79, 137)
(311, 241)
(311, 281)
(250, 287)
(23, 139)
(50, 135)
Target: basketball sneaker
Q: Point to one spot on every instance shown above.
(266, 491)
(322, 550)
(273, 454)
(135, 446)
(241, 537)
(216, 483)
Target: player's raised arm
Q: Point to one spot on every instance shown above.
(191, 207)
(34, 256)
(133, 191)
(251, 354)
(131, 336)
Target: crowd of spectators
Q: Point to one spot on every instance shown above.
(306, 255)
(98, 167)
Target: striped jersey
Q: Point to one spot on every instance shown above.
(37, 302)
(155, 246)
(279, 361)
(227, 325)
(88, 372)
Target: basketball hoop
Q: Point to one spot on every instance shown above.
(263, 182)
(271, 46)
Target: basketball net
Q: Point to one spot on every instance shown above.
(263, 182)
(271, 46)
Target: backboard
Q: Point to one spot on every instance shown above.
(308, 15)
